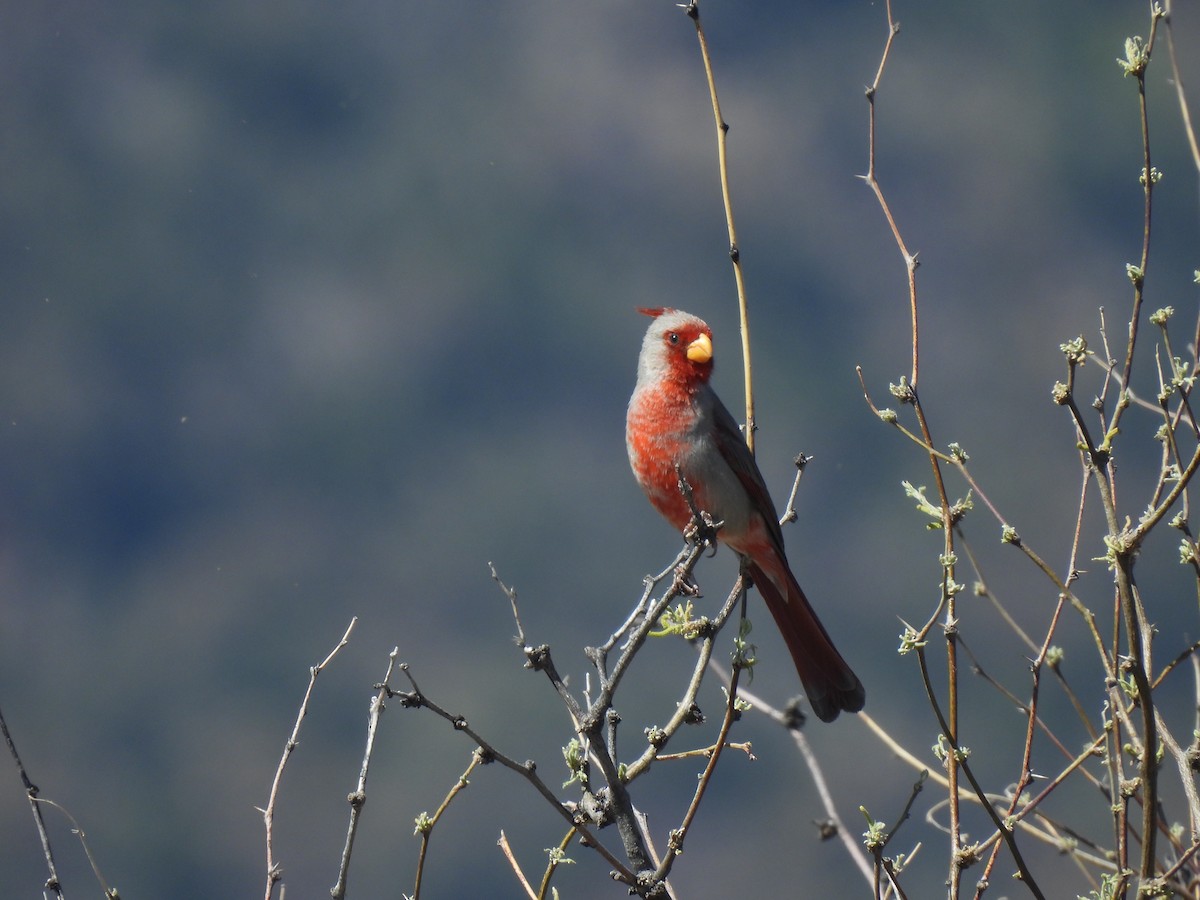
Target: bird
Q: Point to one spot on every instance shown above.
(677, 428)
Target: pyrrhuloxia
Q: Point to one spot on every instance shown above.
(676, 419)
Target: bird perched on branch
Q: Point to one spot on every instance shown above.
(678, 428)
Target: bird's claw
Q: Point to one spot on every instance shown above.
(683, 583)
(702, 530)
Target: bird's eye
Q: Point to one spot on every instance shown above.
(673, 337)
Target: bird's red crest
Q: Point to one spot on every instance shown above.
(653, 311)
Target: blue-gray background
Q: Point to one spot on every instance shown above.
(312, 310)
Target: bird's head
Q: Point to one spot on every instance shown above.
(677, 346)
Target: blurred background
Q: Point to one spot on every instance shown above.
(312, 310)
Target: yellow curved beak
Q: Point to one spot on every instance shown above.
(700, 350)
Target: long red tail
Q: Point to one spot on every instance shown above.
(828, 680)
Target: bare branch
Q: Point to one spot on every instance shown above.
(31, 792)
(274, 869)
(358, 797)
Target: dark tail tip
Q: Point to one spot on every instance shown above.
(829, 700)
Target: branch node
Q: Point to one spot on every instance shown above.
(537, 657)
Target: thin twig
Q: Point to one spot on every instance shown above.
(1122, 552)
(426, 824)
(502, 843)
(910, 259)
(735, 254)
(710, 628)
(31, 792)
(789, 510)
(947, 602)
(511, 594)
(274, 869)
(358, 798)
(109, 892)
(1177, 80)
(818, 776)
(675, 842)
(527, 770)
(556, 859)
